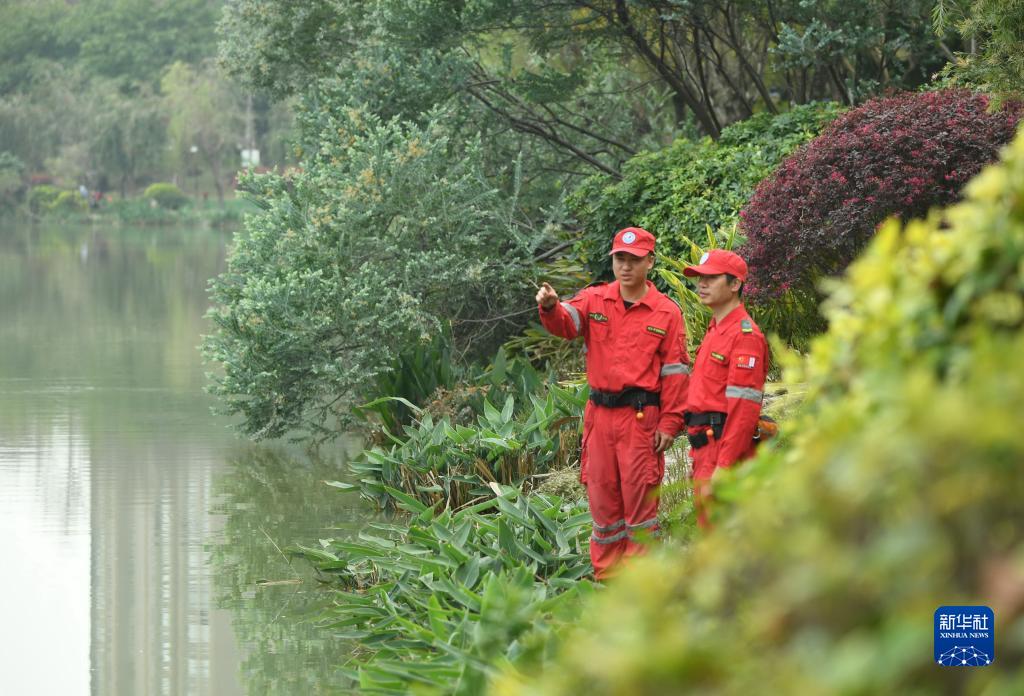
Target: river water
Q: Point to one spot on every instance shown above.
(142, 545)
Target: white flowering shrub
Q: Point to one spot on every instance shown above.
(390, 233)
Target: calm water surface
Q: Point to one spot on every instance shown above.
(138, 537)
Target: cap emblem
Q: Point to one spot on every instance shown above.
(629, 238)
(705, 257)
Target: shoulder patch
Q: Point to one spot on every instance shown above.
(746, 326)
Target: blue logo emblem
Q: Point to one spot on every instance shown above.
(629, 237)
(965, 636)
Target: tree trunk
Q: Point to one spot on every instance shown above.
(694, 102)
(215, 170)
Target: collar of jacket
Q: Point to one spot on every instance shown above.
(738, 314)
(611, 292)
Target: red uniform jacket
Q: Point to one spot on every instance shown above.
(643, 346)
(728, 376)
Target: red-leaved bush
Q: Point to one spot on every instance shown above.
(897, 155)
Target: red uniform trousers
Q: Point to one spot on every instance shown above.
(704, 460)
(703, 467)
(622, 473)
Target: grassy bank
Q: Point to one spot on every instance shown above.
(140, 211)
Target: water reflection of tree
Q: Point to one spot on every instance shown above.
(271, 499)
(90, 295)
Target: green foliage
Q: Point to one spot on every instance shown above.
(136, 40)
(416, 376)
(996, 29)
(12, 182)
(79, 92)
(391, 233)
(67, 202)
(30, 31)
(40, 198)
(862, 48)
(898, 491)
(166, 195)
(573, 108)
(714, 62)
(141, 212)
(676, 193)
(452, 462)
(131, 40)
(437, 602)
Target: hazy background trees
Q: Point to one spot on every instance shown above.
(116, 94)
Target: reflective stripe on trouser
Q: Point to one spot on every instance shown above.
(622, 474)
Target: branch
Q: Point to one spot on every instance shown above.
(554, 250)
(678, 86)
(591, 134)
(538, 129)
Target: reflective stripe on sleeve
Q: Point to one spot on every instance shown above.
(675, 369)
(734, 392)
(574, 314)
(609, 528)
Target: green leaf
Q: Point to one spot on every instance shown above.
(342, 485)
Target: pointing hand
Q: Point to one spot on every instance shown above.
(546, 296)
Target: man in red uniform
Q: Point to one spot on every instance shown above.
(727, 385)
(637, 367)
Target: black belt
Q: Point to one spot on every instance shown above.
(634, 396)
(715, 419)
(706, 418)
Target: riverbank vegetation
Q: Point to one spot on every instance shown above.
(452, 157)
(161, 204)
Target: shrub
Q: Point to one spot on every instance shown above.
(391, 234)
(12, 171)
(434, 601)
(167, 196)
(40, 197)
(676, 193)
(899, 491)
(442, 462)
(67, 202)
(899, 155)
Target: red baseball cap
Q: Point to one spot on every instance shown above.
(633, 240)
(716, 262)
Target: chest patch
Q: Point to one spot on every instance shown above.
(717, 357)
(597, 316)
(747, 362)
(656, 330)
